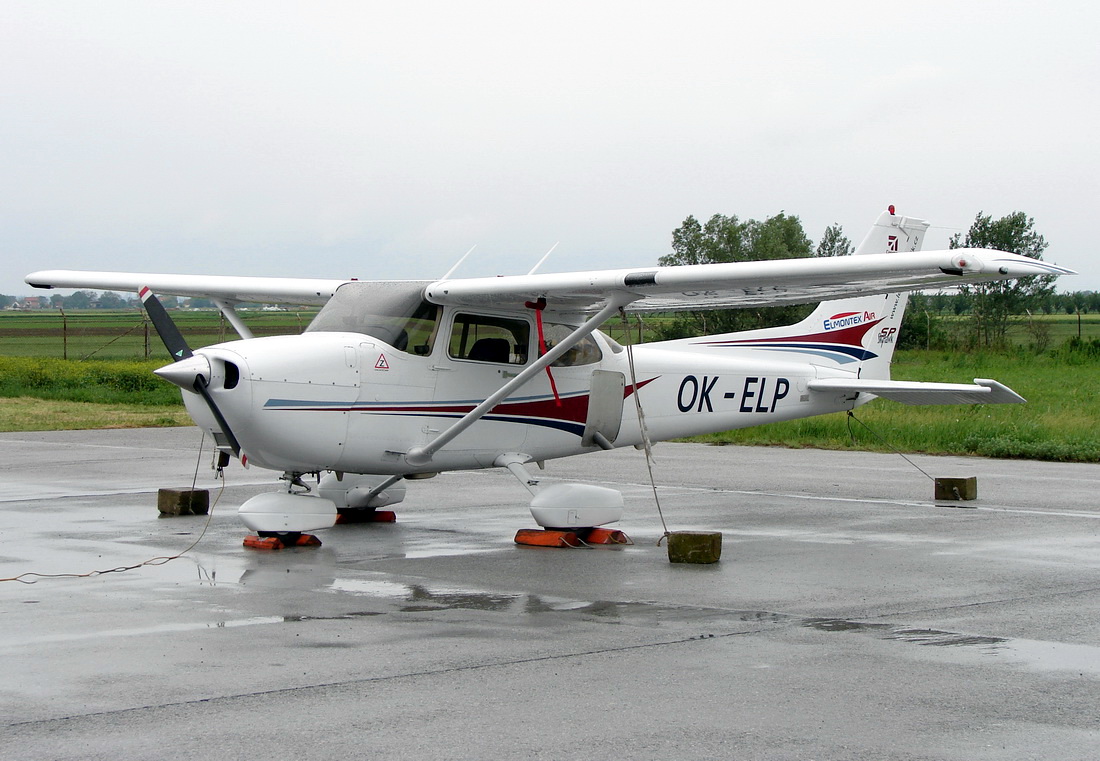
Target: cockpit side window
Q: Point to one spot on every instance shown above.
(484, 338)
(420, 330)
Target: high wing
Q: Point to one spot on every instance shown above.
(262, 290)
(743, 284)
(652, 289)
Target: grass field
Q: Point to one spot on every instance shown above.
(127, 334)
(1061, 420)
(1044, 330)
(30, 414)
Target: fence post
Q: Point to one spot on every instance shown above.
(64, 333)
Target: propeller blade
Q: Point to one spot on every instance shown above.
(166, 328)
(188, 375)
(201, 388)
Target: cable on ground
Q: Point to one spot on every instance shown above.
(32, 577)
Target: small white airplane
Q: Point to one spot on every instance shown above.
(401, 380)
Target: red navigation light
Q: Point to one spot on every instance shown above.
(890, 209)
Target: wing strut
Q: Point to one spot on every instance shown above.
(230, 314)
(423, 454)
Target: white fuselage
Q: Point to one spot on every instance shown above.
(352, 403)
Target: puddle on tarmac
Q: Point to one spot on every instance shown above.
(425, 598)
(1033, 654)
(159, 629)
(384, 597)
(420, 598)
(931, 637)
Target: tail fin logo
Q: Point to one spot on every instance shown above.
(847, 320)
(891, 244)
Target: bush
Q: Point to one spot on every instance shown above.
(99, 381)
(1079, 350)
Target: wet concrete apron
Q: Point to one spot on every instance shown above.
(851, 616)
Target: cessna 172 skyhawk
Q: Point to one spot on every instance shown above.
(404, 379)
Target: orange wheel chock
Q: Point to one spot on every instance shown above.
(536, 537)
(281, 542)
(263, 542)
(366, 516)
(607, 536)
(582, 537)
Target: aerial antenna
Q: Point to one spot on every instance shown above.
(543, 259)
(459, 262)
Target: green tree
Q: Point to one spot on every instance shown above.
(921, 326)
(80, 300)
(111, 300)
(727, 239)
(833, 242)
(993, 306)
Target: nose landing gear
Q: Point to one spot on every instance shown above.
(281, 519)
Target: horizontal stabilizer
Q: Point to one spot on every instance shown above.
(984, 391)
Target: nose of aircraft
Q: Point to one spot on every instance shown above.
(184, 372)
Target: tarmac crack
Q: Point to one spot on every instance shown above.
(982, 603)
(212, 701)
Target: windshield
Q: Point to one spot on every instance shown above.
(394, 312)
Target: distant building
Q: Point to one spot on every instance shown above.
(31, 302)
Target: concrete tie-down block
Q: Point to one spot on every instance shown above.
(957, 488)
(183, 501)
(694, 546)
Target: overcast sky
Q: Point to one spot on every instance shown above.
(384, 139)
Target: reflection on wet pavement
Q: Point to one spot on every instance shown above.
(1032, 654)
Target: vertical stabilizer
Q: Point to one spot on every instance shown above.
(891, 233)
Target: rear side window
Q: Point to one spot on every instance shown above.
(585, 352)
